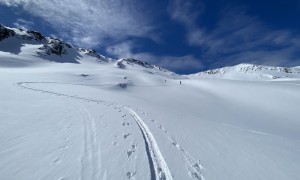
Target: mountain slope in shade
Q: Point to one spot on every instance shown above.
(251, 72)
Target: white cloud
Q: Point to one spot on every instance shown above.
(121, 50)
(174, 63)
(91, 19)
(282, 57)
(187, 14)
(244, 38)
(23, 24)
(13, 2)
(237, 37)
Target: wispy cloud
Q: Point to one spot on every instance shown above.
(238, 31)
(187, 14)
(91, 22)
(23, 24)
(244, 38)
(237, 37)
(284, 57)
(121, 50)
(175, 63)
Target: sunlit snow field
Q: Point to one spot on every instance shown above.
(97, 121)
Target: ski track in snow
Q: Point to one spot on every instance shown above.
(91, 160)
(159, 165)
(194, 167)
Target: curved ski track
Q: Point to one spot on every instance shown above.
(161, 169)
(194, 167)
(158, 167)
(90, 161)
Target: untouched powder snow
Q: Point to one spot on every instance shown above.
(251, 72)
(100, 120)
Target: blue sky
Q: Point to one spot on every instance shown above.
(185, 36)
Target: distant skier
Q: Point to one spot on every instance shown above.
(180, 82)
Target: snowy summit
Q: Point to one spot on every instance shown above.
(252, 72)
(71, 113)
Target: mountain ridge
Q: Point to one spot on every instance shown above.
(238, 72)
(53, 49)
(49, 46)
(12, 40)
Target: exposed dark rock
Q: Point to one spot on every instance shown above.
(93, 53)
(123, 85)
(84, 75)
(37, 35)
(5, 33)
(138, 62)
(68, 45)
(121, 65)
(54, 47)
(287, 70)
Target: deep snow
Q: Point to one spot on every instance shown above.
(94, 120)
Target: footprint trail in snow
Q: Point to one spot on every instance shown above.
(159, 169)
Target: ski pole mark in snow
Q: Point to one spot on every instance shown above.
(158, 165)
(90, 161)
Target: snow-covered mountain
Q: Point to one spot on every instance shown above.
(16, 38)
(31, 43)
(70, 113)
(25, 47)
(251, 72)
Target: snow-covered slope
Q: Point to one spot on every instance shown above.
(251, 72)
(128, 119)
(18, 46)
